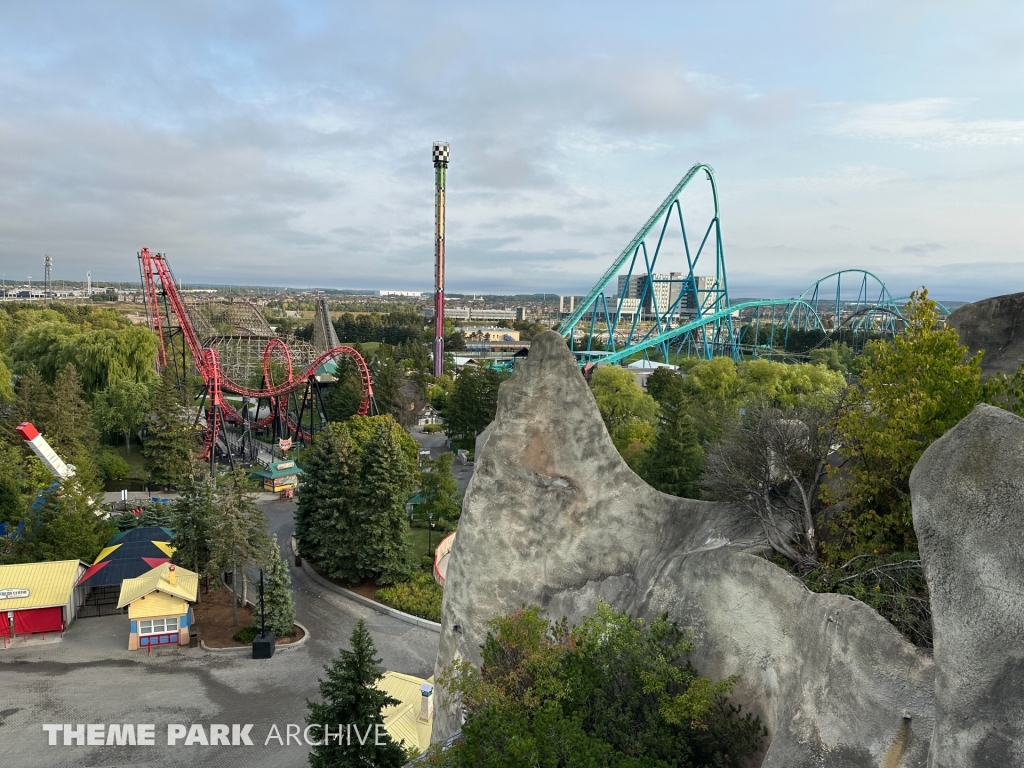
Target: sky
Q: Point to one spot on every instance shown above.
(289, 144)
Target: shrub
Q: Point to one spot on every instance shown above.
(112, 466)
(420, 596)
(433, 429)
(246, 634)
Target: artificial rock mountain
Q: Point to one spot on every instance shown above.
(554, 517)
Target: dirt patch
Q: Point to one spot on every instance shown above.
(367, 589)
(216, 626)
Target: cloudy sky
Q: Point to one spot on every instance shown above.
(289, 143)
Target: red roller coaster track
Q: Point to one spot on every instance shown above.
(158, 281)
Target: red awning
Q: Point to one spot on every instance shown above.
(38, 620)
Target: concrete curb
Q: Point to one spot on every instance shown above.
(296, 644)
(277, 648)
(408, 618)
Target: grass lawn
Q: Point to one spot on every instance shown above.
(417, 538)
(135, 461)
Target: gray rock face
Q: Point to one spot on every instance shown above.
(554, 517)
(968, 497)
(995, 325)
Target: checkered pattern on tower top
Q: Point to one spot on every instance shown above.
(440, 154)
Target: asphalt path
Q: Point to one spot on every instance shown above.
(90, 678)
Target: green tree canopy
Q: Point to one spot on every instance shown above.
(911, 392)
(238, 535)
(473, 401)
(171, 441)
(628, 411)
(121, 408)
(440, 491)
(612, 691)
(351, 517)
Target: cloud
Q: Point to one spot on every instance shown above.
(930, 123)
(922, 249)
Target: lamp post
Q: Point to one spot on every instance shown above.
(263, 644)
(430, 528)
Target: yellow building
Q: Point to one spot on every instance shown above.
(410, 720)
(159, 606)
(38, 598)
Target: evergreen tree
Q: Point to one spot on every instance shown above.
(238, 536)
(440, 491)
(673, 464)
(473, 402)
(171, 442)
(12, 505)
(346, 393)
(277, 593)
(194, 516)
(389, 384)
(351, 518)
(331, 470)
(64, 527)
(379, 524)
(349, 696)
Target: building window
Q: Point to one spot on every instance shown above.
(156, 626)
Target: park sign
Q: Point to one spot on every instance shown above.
(13, 594)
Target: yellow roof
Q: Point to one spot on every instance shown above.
(402, 720)
(186, 586)
(48, 584)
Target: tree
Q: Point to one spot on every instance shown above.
(346, 392)
(349, 696)
(12, 504)
(379, 549)
(773, 462)
(674, 462)
(277, 593)
(6, 389)
(665, 385)
(440, 491)
(389, 384)
(473, 401)
(121, 408)
(611, 691)
(351, 517)
(63, 527)
(194, 518)
(627, 410)
(238, 536)
(911, 392)
(331, 469)
(171, 442)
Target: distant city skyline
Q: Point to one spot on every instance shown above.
(289, 143)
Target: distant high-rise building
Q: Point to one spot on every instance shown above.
(47, 276)
(88, 283)
(665, 290)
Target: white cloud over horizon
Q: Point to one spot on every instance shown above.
(288, 143)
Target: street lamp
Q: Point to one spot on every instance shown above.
(430, 528)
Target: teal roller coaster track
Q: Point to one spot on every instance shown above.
(689, 312)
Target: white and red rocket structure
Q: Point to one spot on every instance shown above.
(440, 167)
(46, 454)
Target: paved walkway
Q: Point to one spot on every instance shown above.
(90, 677)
